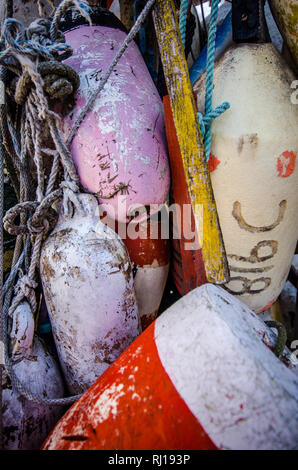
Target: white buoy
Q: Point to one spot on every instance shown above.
(25, 423)
(88, 287)
(255, 175)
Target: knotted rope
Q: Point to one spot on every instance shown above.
(32, 55)
(37, 114)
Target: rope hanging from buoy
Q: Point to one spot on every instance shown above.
(210, 114)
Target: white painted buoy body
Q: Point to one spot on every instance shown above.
(26, 424)
(254, 169)
(202, 376)
(88, 287)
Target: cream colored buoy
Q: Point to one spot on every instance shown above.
(26, 424)
(88, 286)
(255, 175)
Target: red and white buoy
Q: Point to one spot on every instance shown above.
(199, 377)
(150, 257)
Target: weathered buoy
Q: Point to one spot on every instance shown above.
(26, 424)
(120, 148)
(200, 377)
(150, 256)
(253, 169)
(285, 13)
(88, 287)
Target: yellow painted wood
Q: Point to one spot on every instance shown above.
(190, 141)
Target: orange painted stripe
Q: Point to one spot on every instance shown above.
(191, 272)
(144, 251)
(150, 414)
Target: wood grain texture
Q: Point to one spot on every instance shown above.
(190, 140)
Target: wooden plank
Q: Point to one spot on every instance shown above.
(188, 267)
(190, 140)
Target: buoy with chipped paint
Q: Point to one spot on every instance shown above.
(253, 168)
(149, 251)
(120, 148)
(88, 287)
(150, 257)
(200, 377)
(26, 424)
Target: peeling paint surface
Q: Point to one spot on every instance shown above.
(255, 185)
(26, 424)
(202, 376)
(89, 292)
(120, 148)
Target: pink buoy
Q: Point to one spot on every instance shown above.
(120, 147)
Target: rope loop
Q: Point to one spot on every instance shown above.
(205, 121)
(80, 5)
(59, 81)
(13, 213)
(25, 285)
(70, 199)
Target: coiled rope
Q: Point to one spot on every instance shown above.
(36, 117)
(39, 224)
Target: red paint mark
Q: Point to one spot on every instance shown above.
(239, 420)
(241, 406)
(286, 164)
(268, 305)
(148, 414)
(213, 162)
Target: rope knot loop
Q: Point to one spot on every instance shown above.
(42, 227)
(25, 288)
(39, 31)
(25, 285)
(205, 121)
(71, 201)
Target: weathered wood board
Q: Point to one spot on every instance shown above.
(190, 140)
